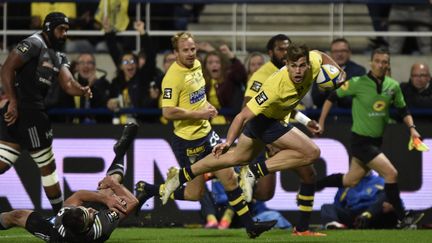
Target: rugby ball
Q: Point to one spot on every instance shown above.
(328, 77)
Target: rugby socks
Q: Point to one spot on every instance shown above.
(237, 202)
(305, 199)
(259, 169)
(393, 195)
(56, 202)
(185, 175)
(117, 167)
(154, 191)
(333, 180)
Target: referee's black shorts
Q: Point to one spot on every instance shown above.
(365, 148)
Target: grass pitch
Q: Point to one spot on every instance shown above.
(180, 235)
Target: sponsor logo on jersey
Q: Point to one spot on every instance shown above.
(379, 105)
(261, 98)
(196, 96)
(112, 216)
(256, 86)
(167, 93)
(23, 47)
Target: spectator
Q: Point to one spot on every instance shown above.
(168, 59)
(418, 91)
(410, 18)
(362, 206)
(379, 14)
(340, 51)
(253, 62)
(225, 78)
(133, 86)
(87, 74)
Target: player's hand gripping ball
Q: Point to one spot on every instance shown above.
(328, 77)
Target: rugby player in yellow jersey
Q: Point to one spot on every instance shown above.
(261, 122)
(184, 102)
(264, 188)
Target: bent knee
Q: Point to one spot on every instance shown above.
(312, 154)
(264, 195)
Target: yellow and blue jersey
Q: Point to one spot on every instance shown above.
(259, 77)
(279, 95)
(185, 88)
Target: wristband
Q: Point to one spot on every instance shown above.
(412, 126)
(302, 118)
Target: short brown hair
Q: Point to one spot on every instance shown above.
(179, 36)
(297, 51)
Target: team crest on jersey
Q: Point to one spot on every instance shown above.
(167, 93)
(256, 86)
(261, 98)
(23, 47)
(112, 216)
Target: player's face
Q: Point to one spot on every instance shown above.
(340, 53)
(255, 63)
(380, 64)
(297, 69)
(60, 33)
(214, 66)
(86, 66)
(128, 66)
(279, 52)
(186, 52)
(420, 76)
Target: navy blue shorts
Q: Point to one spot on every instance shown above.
(188, 152)
(365, 148)
(32, 130)
(266, 129)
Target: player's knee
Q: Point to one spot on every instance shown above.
(17, 216)
(264, 195)
(391, 175)
(312, 154)
(350, 183)
(8, 157)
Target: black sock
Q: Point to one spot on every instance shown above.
(305, 204)
(393, 195)
(117, 167)
(56, 202)
(185, 175)
(259, 169)
(151, 189)
(237, 202)
(333, 180)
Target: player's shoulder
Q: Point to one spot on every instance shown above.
(391, 80)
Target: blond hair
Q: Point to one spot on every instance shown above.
(179, 36)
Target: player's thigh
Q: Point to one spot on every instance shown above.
(384, 167)
(355, 173)
(296, 140)
(246, 149)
